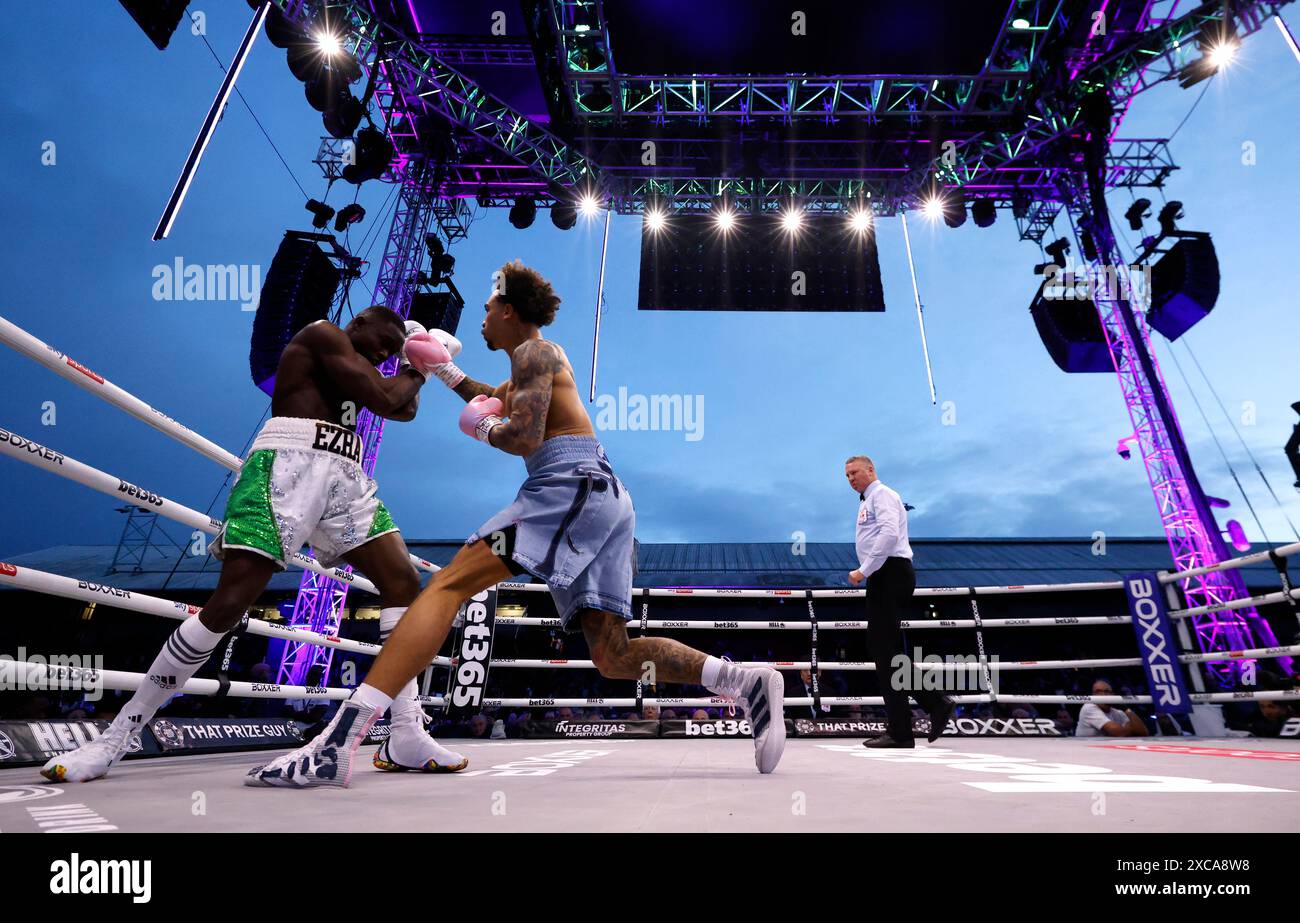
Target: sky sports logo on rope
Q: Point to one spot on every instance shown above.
(76, 875)
(58, 672)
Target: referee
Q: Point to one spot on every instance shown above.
(885, 563)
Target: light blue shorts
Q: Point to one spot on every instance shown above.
(573, 527)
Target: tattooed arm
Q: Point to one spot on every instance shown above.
(533, 371)
(470, 389)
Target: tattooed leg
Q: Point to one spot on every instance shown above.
(618, 657)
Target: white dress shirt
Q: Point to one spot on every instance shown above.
(882, 528)
(1092, 719)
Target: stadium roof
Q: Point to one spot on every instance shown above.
(939, 562)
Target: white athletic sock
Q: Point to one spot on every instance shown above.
(188, 648)
(405, 708)
(370, 697)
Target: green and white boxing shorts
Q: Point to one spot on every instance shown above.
(302, 483)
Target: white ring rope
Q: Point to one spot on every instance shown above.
(23, 342)
(25, 578)
(852, 665)
(837, 592)
(848, 625)
(1256, 557)
(45, 676)
(35, 454)
(796, 701)
(1263, 600)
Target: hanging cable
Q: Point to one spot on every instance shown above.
(1213, 435)
(1189, 111)
(1254, 461)
(256, 120)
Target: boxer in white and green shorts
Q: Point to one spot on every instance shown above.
(303, 483)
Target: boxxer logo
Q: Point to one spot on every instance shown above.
(1153, 634)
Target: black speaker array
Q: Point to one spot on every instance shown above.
(1071, 330)
(299, 289)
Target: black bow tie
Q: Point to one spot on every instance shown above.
(862, 496)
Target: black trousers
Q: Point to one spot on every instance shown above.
(1293, 451)
(889, 590)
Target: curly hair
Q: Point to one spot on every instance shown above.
(528, 293)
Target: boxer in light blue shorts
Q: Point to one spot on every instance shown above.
(571, 525)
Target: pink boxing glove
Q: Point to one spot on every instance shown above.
(425, 353)
(480, 416)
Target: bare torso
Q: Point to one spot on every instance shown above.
(566, 415)
(303, 388)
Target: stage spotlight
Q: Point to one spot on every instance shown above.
(792, 220)
(1221, 53)
(345, 116)
(373, 153)
(589, 205)
(441, 263)
(1139, 210)
(329, 43)
(1058, 250)
(523, 212)
(860, 220)
(932, 207)
(304, 60)
(1219, 44)
(726, 219)
(1089, 246)
(954, 214)
(1020, 203)
(654, 220)
(349, 214)
(322, 212)
(564, 215)
(281, 31)
(1169, 215)
(984, 212)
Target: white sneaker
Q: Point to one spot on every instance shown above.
(409, 748)
(761, 696)
(94, 759)
(326, 760)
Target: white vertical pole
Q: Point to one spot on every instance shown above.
(1286, 35)
(600, 301)
(920, 312)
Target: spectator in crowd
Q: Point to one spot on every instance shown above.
(1064, 721)
(480, 726)
(1096, 719)
(650, 712)
(805, 690)
(700, 714)
(1271, 718)
(668, 715)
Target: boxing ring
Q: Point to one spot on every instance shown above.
(596, 781)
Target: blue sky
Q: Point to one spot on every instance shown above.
(785, 398)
